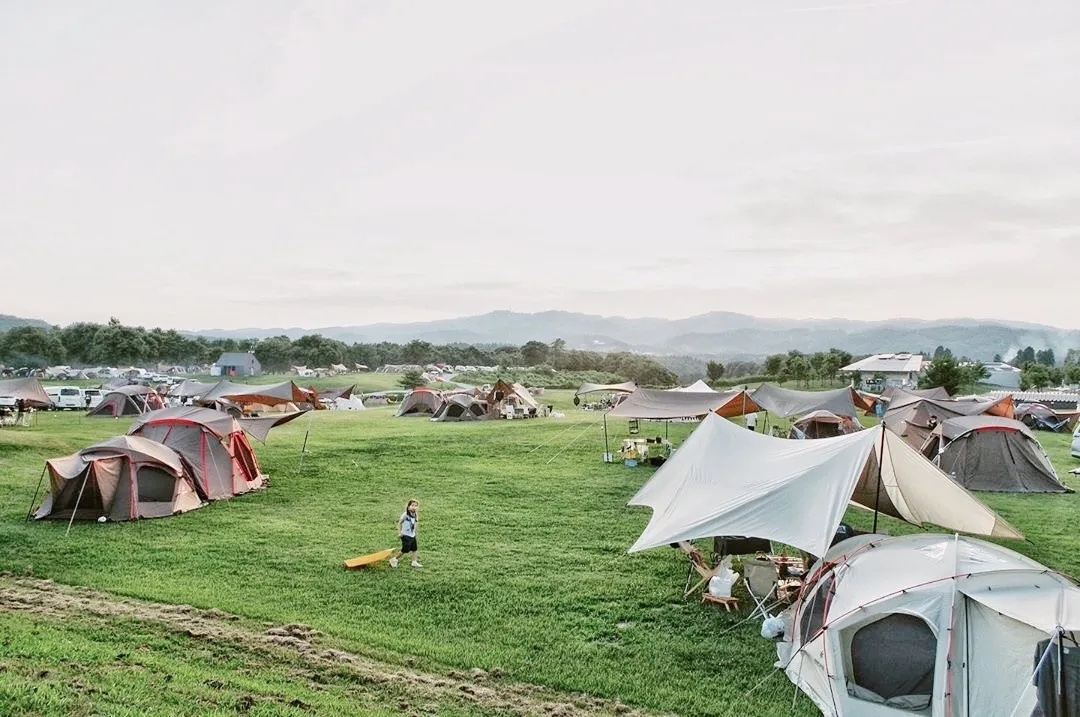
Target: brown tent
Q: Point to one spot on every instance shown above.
(122, 478)
(992, 453)
(503, 394)
(823, 424)
(127, 401)
(27, 390)
(212, 443)
(913, 417)
(421, 402)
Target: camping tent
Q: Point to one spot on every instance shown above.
(514, 394)
(934, 625)
(421, 402)
(461, 407)
(787, 402)
(823, 424)
(213, 444)
(127, 401)
(1042, 417)
(28, 390)
(914, 417)
(122, 478)
(698, 386)
(725, 480)
(992, 453)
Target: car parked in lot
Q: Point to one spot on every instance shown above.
(66, 398)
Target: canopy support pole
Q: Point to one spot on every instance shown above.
(78, 500)
(607, 448)
(303, 448)
(880, 463)
(33, 500)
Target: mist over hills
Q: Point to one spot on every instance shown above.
(720, 334)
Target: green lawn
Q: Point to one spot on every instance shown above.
(523, 535)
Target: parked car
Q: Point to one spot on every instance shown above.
(66, 398)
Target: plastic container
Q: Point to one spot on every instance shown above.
(630, 462)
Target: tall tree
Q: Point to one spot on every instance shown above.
(714, 370)
(943, 372)
(535, 353)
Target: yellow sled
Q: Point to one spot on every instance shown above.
(369, 559)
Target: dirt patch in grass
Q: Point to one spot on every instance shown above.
(418, 691)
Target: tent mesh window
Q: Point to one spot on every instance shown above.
(155, 486)
(813, 612)
(893, 660)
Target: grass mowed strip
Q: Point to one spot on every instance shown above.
(523, 535)
(79, 651)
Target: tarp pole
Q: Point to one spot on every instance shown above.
(303, 448)
(86, 477)
(880, 463)
(33, 500)
(607, 447)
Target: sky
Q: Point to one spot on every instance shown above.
(269, 163)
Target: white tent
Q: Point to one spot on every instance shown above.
(725, 480)
(698, 386)
(934, 625)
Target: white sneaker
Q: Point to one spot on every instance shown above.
(393, 562)
(416, 564)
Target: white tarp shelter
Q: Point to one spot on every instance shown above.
(725, 480)
(932, 625)
(627, 387)
(698, 386)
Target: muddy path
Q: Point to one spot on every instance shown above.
(477, 689)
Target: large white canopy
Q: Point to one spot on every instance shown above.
(725, 480)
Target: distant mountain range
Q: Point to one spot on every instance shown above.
(9, 322)
(720, 334)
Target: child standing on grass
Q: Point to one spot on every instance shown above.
(406, 527)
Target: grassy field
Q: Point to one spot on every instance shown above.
(528, 602)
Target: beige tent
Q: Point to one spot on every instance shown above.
(122, 478)
(28, 390)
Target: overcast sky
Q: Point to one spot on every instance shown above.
(274, 163)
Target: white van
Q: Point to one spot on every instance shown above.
(65, 398)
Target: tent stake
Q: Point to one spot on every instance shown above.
(880, 463)
(33, 500)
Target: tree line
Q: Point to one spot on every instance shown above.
(115, 344)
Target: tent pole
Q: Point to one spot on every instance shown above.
(607, 447)
(303, 449)
(33, 500)
(880, 463)
(78, 500)
(1061, 672)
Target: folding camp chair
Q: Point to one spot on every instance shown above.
(761, 577)
(699, 565)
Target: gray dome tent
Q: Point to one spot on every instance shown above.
(993, 454)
